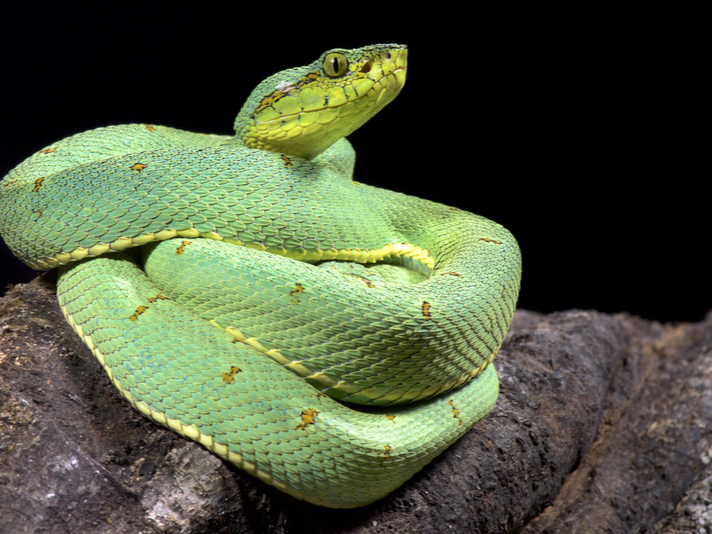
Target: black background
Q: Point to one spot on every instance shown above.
(581, 130)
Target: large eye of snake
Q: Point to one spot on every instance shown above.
(335, 65)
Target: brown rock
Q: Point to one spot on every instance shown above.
(603, 423)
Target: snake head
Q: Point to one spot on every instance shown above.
(303, 111)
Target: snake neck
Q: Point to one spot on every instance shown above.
(303, 111)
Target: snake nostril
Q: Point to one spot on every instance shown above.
(366, 67)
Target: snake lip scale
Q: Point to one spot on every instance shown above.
(326, 336)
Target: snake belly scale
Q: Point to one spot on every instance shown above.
(326, 336)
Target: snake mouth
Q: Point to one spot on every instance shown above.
(397, 75)
(379, 101)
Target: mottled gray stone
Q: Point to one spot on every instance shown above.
(602, 425)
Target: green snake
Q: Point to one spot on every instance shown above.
(328, 337)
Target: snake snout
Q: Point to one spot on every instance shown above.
(386, 57)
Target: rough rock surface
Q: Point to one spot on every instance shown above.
(603, 425)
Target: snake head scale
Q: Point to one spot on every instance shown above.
(303, 111)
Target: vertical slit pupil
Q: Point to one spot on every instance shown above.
(337, 66)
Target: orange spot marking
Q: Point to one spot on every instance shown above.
(308, 417)
(158, 297)
(386, 453)
(426, 310)
(368, 283)
(487, 240)
(38, 184)
(391, 418)
(298, 288)
(149, 128)
(48, 150)
(453, 274)
(139, 311)
(138, 167)
(455, 412)
(287, 161)
(229, 377)
(181, 249)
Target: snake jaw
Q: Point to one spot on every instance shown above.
(303, 116)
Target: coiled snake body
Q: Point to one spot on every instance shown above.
(178, 268)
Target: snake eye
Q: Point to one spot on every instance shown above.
(335, 65)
